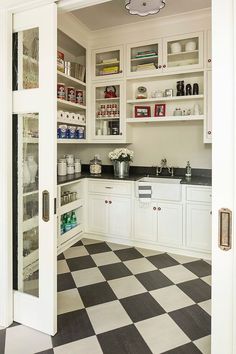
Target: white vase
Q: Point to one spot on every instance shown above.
(26, 174)
(33, 168)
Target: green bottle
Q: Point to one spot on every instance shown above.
(73, 220)
(68, 223)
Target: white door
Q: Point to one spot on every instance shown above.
(97, 213)
(120, 218)
(170, 224)
(224, 175)
(145, 221)
(34, 166)
(198, 232)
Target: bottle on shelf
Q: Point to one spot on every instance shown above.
(68, 223)
(188, 170)
(73, 220)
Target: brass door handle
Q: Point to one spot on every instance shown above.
(225, 229)
(45, 206)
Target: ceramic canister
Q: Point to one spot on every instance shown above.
(190, 46)
(175, 47)
(61, 168)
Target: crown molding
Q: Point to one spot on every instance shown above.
(21, 5)
(72, 5)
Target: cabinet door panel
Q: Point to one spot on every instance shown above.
(198, 233)
(97, 214)
(119, 217)
(145, 221)
(170, 224)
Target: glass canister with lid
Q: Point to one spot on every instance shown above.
(96, 166)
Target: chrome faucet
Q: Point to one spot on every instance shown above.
(164, 165)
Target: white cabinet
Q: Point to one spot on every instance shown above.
(109, 208)
(198, 228)
(170, 224)
(119, 217)
(183, 52)
(107, 63)
(108, 122)
(208, 104)
(145, 221)
(209, 49)
(97, 214)
(161, 223)
(144, 58)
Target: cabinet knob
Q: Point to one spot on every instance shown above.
(106, 201)
(209, 60)
(154, 208)
(121, 133)
(159, 67)
(209, 132)
(110, 202)
(164, 66)
(159, 208)
(210, 212)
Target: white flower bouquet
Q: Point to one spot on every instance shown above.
(121, 155)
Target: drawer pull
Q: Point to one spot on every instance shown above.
(159, 209)
(109, 187)
(106, 201)
(154, 208)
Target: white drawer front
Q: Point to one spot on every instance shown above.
(110, 187)
(196, 194)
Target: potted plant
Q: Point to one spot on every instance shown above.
(121, 159)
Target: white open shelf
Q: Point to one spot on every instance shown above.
(68, 235)
(166, 99)
(30, 223)
(71, 123)
(63, 104)
(69, 80)
(30, 140)
(108, 64)
(182, 53)
(108, 99)
(71, 141)
(165, 119)
(30, 193)
(108, 118)
(70, 207)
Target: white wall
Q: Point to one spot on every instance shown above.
(178, 142)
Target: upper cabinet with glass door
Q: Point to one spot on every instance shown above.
(183, 52)
(144, 58)
(108, 112)
(107, 63)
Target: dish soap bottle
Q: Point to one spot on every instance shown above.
(188, 170)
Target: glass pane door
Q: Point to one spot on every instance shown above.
(183, 52)
(145, 58)
(34, 167)
(27, 201)
(108, 63)
(108, 112)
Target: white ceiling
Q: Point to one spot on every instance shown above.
(113, 13)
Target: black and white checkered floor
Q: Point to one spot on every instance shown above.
(115, 299)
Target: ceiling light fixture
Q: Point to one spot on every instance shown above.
(144, 7)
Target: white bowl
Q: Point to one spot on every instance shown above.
(175, 48)
(190, 46)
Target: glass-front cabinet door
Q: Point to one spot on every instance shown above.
(34, 168)
(183, 52)
(108, 111)
(144, 58)
(108, 63)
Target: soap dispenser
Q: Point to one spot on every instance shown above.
(188, 170)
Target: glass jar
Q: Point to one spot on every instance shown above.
(96, 166)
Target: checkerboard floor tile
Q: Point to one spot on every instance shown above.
(123, 300)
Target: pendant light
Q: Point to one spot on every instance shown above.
(144, 7)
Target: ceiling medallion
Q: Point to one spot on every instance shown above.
(144, 7)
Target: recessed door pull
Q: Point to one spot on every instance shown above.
(225, 229)
(45, 206)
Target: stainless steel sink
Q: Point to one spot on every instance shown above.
(160, 180)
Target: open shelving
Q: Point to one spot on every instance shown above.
(166, 119)
(69, 80)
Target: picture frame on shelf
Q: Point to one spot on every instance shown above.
(160, 110)
(142, 111)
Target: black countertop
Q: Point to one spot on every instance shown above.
(194, 180)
